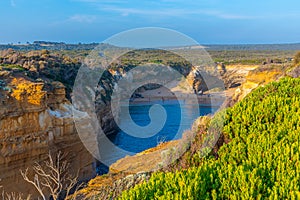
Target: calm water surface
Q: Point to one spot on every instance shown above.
(178, 120)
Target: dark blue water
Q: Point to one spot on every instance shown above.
(178, 120)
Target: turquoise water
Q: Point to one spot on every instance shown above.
(178, 120)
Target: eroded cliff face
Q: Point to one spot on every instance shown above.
(242, 79)
(257, 77)
(35, 119)
(238, 80)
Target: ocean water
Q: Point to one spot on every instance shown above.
(179, 117)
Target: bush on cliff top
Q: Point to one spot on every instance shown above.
(261, 161)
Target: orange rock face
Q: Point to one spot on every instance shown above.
(33, 122)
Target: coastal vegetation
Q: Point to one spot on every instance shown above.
(256, 157)
(260, 160)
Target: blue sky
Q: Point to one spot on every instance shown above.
(207, 21)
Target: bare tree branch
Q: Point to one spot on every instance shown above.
(54, 177)
(12, 195)
(35, 183)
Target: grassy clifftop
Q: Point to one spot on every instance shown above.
(260, 161)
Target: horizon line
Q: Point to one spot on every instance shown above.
(89, 43)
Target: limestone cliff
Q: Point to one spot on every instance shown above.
(244, 78)
(35, 118)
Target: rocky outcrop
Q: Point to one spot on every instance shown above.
(43, 65)
(35, 119)
(295, 72)
(127, 172)
(112, 185)
(202, 80)
(253, 77)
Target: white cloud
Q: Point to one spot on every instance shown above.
(158, 8)
(232, 16)
(82, 18)
(77, 18)
(128, 11)
(173, 12)
(223, 15)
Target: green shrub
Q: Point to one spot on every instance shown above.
(261, 161)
